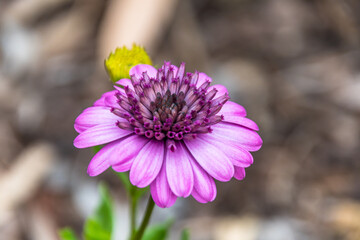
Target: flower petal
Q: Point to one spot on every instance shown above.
(245, 122)
(202, 78)
(94, 116)
(179, 171)
(239, 173)
(124, 167)
(121, 153)
(80, 128)
(160, 190)
(232, 109)
(124, 82)
(147, 164)
(237, 135)
(221, 90)
(235, 113)
(204, 185)
(140, 68)
(211, 159)
(237, 155)
(101, 100)
(99, 134)
(111, 101)
(98, 164)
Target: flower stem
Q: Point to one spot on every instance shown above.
(149, 209)
(133, 210)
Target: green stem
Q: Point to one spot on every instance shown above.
(149, 209)
(133, 204)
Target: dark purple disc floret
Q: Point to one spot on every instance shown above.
(170, 106)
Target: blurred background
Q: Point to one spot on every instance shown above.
(294, 65)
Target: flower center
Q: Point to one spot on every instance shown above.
(171, 106)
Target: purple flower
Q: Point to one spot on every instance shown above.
(172, 131)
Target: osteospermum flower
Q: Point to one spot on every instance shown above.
(172, 131)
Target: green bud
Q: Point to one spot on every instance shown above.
(118, 63)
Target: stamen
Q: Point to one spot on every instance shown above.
(215, 109)
(216, 119)
(148, 124)
(190, 136)
(166, 127)
(205, 85)
(120, 113)
(146, 77)
(171, 145)
(176, 127)
(124, 125)
(187, 129)
(125, 105)
(139, 131)
(181, 70)
(211, 94)
(221, 100)
(170, 134)
(149, 134)
(194, 79)
(159, 135)
(157, 128)
(134, 80)
(179, 136)
(144, 111)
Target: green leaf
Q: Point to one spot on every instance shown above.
(94, 231)
(100, 225)
(67, 234)
(185, 234)
(158, 231)
(97, 148)
(118, 64)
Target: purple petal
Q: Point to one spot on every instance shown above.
(239, 173)
(232, 109)
(202, 78)
(124, 167)
(241, 121)
(211, 159)
(221, 90)
(125, 83)
(100, 101)
(237, 135)
(235, 113)
(179, 171)
(160, 190)
(198, 197)
(99, 134)
(237, 155)
(98, 164)
(80, 128)
(204, 185)
(111, 101)
(140, 68)
(121, 153)
(147, 164)
(94, 116)
(128, 149)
